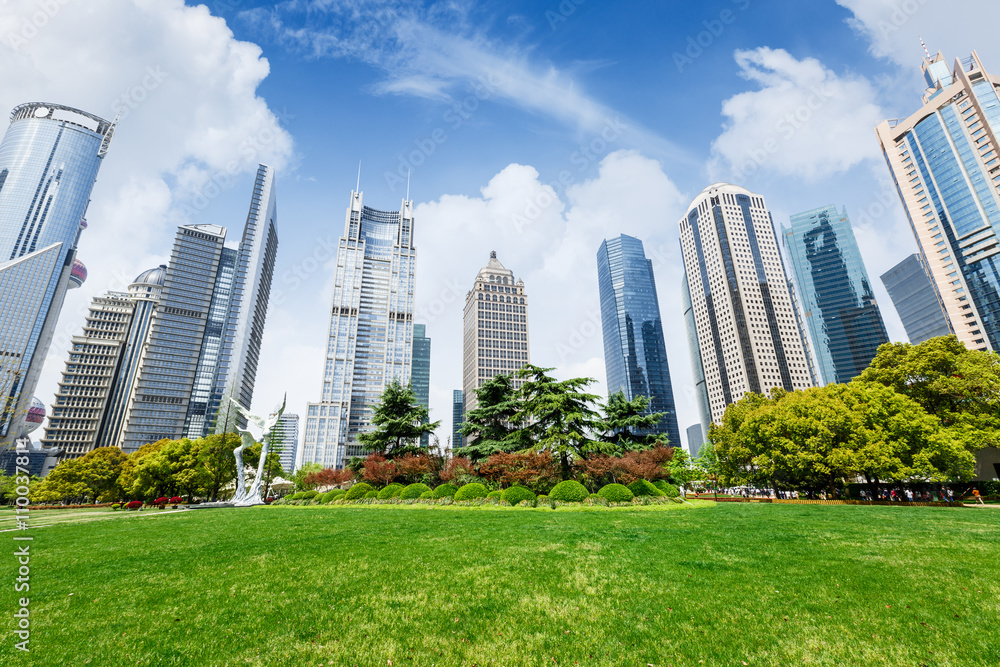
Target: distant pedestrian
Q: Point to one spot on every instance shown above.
(951, 496)
(978, 498)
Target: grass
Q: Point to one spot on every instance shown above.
(732, 584)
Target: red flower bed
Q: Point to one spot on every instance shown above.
(176, 500)
(134, 505)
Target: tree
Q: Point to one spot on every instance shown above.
(216, 457)
(63, 483)
(301, 476)
(960, 387)
(532, 469)
(629, 425)
(378, 470)
(100, 469)
(174, 468)
(557, 417)
(681, 468)
(399, 422)
(128, 479)
(489, 426)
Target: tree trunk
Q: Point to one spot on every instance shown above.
(564, 462)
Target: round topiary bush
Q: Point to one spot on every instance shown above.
(445, 490)
(371, 495)
(338, 493)
(669, 490)
(358, 491)
(517, 494)
(324, 498)
(413, 491)
(471, 492)
(309, 495)
(427, 495)
(391, 491)
(641, 487)
(495, 494)
(616, 493)
(569, 491)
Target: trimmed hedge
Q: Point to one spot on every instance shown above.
(358, 491)
(339, 493)
(309, 495)
(371, 495)
(427, 495)
(327, 497)
(569, 491)
(669, 490)
(391, 491)
(471, 492)
(518, 494)
(642, 487)
(495, 494)
(413, 491)
(445, 490)
(616, 493)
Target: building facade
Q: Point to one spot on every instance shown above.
(457, 418)
(694, 349)
(695, 438)
(420, 378)
(371, 329)
(916, 300)
(635, 353)
(495, 329)
(49, 159)
(748, 332)
(286, 441)
(843, 319)
(945, 163)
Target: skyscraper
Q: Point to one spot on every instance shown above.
(371, 329)
(420, 379)
(286, 438)
(916, 300)
(49, 159)
(748, 333)
(457, 419)
(495, 329)
(694, 349)
(696, 439)
(944, 161)
(840, 310)
(635, 354)
(231, 349)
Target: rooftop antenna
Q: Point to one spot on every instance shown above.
(926, 52)
(407, 184)
(358, 188)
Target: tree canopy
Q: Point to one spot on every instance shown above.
(399, 421)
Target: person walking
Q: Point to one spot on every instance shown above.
(978, 498)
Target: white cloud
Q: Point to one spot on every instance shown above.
(803, 120)
(192, 124)
(554, 237)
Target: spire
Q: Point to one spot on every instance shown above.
(407, 184)
(358, 188)
(926, 52)
(493, 254)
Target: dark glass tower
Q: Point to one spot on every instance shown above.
(635, 355)
(843, 319)
(457, 418)
(916, 300)
(420, 376)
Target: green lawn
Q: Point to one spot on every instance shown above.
(733, 584)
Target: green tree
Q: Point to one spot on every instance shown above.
(100, 469)
(216, 455)
(629, 425)
(489, 426)
(558, 417)
(399, 422)
(63, 483)
(960, 387)
(299, 478)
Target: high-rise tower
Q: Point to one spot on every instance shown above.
(457, 418)
(945, 163)
(635, 354)
(371, 329)
(49, 159)
(840, 309)
(916, 300)
(749, 335)
(495, 329)
(420, 379)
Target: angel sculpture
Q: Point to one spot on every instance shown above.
(258, 430)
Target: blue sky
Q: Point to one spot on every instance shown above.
(635, 106)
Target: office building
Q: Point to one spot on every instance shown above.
(495, 329)
(916, 300)
(370, 339)
(457, 419)
(841, 314)
(49, 159)
(748, 333)
(695, 438)
(420, 378)
(285, 441)
(697, 372)
(635, 354)
(944, 161)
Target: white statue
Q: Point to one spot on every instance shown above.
(258, 430)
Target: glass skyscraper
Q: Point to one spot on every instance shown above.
(916, 300)
(286, 441)
(371, 329)
(635, 354)
(743, 311)
(49, 159)
(420, 379)
(945, 161)
(840, 310)
(457, 418)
